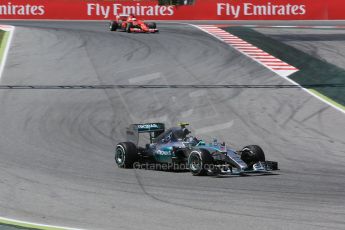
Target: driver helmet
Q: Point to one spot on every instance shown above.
(185, 132)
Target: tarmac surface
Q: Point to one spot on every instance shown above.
(57, 146)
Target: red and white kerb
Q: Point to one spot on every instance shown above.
(276, 65)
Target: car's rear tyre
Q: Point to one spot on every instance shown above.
(113, 26)
(252, 154)
(126, 154)
(128, 27)
(200, 162)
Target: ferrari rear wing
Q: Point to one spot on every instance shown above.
(154, 129)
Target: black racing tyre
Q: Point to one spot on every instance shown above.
(126, 154)
(152, 25)
(199, 162)
(113, 26)
(252, 154)
(128, 27)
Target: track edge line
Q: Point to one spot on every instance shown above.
(26, 224)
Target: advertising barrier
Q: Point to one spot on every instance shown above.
(151, 9)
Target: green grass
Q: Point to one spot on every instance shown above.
(312, 70)
(13, 225)
(3, 43)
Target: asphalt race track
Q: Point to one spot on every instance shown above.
(57, 145)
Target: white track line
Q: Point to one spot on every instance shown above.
(148, 77)
(14, 221)
(273, 60)
(214, 128)
(9, 29)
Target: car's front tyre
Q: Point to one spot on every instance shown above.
(151, 25)
(252, 154)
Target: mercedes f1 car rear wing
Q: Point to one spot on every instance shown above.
(154, 129)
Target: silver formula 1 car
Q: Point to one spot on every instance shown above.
(175, 148)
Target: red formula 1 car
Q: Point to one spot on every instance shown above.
(130, 23)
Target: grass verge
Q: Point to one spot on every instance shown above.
(14, 225)
(3, 43)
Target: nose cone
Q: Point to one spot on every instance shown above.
(236, 160)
